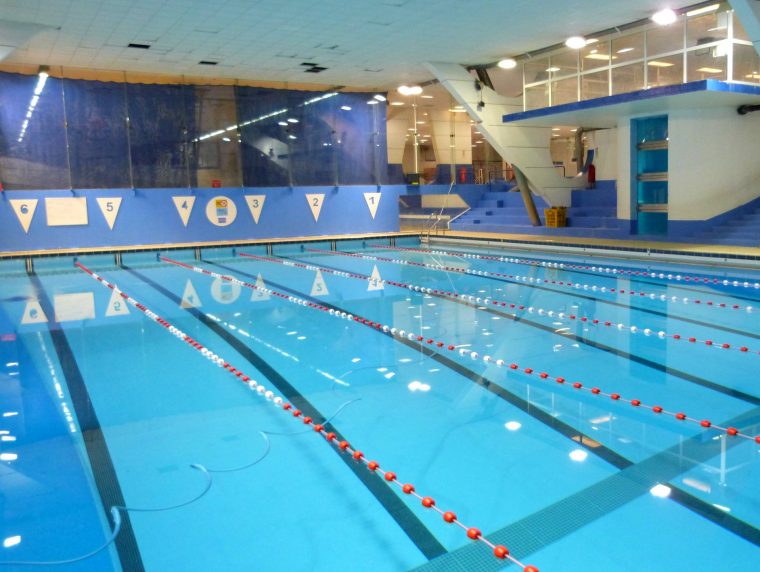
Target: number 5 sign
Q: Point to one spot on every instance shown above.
(24, 209)
(110, 209)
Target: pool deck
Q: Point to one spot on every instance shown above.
(635, 248)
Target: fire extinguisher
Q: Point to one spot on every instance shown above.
(463, 174)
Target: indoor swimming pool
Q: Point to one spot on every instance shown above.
(585, 414)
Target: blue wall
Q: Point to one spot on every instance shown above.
(148, 216)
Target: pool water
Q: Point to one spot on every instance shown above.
(100, 406)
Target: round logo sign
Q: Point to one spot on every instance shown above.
(225, 292)
(221, 211)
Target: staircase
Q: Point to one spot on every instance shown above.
(743, 230)
(592, 213)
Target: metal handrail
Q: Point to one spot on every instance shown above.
(440, 213)
(464, 212)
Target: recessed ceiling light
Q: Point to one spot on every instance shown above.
(507, 64)
(410, 90)
(604, 57)
(710, 70)
(397, 103)
(426, 96)
(575, 42)
(657, 64)
(555, 128)
(664, 17)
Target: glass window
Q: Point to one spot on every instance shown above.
(595, 85)
(264, 130)
(666, 70)
(161, 118)
(627, 78)
(32, 134)
(739, 32)
(536, 70)
(628, 48)
(564, 63)
(707, 28)
(357, 137)
(218, 154)
(565, 91)
(746, 64)
(708, 63)
(312, 149)
(664, 39)
(595, 55)
(537, 97)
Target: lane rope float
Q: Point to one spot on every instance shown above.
(601, 269)
(516, 306)
(437, 345)
(343, 446)
(531, 279)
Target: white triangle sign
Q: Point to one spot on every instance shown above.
(33, 313)
(315, 204)
(110, 209)
(255, 204)
(373, 201)
(24, 209)
(375, 281)
(190, 297)
(319, 288)
(184, 205)
(258, 295)
(117, 306)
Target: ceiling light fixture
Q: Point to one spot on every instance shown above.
(410, 90)
(710, 70)
(576, 42)
(507, 64)
(664, 17)
(625, 50)
(379, 97)
(703, 10)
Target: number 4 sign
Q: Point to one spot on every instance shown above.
(184, 206)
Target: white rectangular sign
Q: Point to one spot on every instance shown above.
(71, 307)
(69, 211)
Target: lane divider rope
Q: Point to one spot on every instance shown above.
(602, 269)
(342, 446)
(531, 279)
(516, 306)
(437, 345)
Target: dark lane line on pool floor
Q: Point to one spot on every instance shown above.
(565, 517)
(577, 294)
(617, 460)
(700, 381)
(406, 519)
(103, 471)
(679, 284)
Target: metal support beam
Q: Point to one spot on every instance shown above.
(527, 197)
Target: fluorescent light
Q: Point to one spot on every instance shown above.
(664, 17)
(372, 102)
(345, 107)
(625, 50)
(507, 64)
(226, 139)
(661, 491)
(397, 103)
(576, 42)
(292, 120)
(703, 10)
(604, 57)
(555, 128)
(283, 123)
(426, 96)
(379, 97)
(657, 64)
(458, 110)
(710, 70)
(552, 69)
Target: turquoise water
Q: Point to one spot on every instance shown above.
(100, 406)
